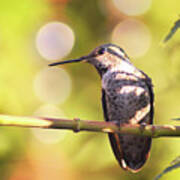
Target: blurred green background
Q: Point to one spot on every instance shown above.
(35, 33)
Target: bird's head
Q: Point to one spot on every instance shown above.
(103, 58)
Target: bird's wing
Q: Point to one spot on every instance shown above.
(114, 138)
(149, 84)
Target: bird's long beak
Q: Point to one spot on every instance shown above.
(81, 59)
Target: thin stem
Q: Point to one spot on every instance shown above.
(82, 125)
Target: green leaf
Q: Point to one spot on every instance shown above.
(175, 161)
(173, 165)
(172, 31)
(176, 119)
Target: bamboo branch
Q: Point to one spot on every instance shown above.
(82, 125)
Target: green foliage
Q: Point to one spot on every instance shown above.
(173, 30)
(174, 165)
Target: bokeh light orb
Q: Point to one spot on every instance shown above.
(49, 136)
(54, 40)
(133, 7)
(52, 85)
(133, 36)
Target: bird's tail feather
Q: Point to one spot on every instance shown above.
(131, 151)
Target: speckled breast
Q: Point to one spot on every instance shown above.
(127, 98)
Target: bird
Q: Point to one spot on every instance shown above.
(127, 99)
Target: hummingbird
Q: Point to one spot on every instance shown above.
(127, 99)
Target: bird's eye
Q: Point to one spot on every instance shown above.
(101, 51)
